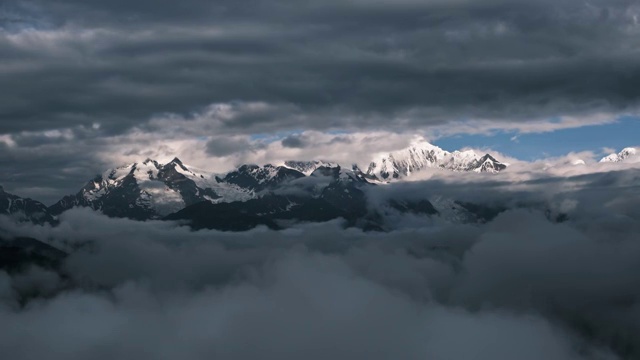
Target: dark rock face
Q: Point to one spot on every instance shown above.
(275, 195)
(77, 200)
(24, 209)
(482, 213)
(333, 172)
(416, 207)
(343, 197)
(258, 178)
(190, 192)
(234, 216)
(68, 202)
(307, 167)
(17, 254)
(123, 199)
(26, 256)
(487, 163)
(268, 210)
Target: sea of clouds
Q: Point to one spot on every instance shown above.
(521, 286)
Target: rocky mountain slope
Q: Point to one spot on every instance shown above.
(327, 193)
(149, 190)
(24, 209)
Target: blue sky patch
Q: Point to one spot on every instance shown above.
(623, 133)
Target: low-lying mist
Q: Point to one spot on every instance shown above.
(520, 286)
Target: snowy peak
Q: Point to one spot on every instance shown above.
(404, 162)
(143, 190)
(308, 167)
(487, 163)
(259, 178)
(421, 155)
(326, 171)
(622, 155)
(180, 167)
(340, 174)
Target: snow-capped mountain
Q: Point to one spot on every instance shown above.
(486, 163)
(622, 155)
(258, 178)
(252, 195)
(421, 155)
(148, 190)
(308, 167)
(325, 194)
(151, 190)
(23, 209)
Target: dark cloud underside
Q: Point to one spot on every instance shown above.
(352, 64)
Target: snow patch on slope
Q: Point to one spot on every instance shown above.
(308, 167)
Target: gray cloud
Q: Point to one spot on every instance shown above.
(294, 141)
(116, 77)
(320, 284)
(519, 286)
(350, 64)
(226, 146)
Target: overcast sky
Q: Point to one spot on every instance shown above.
(88, 84)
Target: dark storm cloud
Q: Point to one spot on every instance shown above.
(226, 146)
(351, 64)
(47, 173)
(294, 141)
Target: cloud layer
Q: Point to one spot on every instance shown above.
(90, 83)
(520, 286)
(350, 64)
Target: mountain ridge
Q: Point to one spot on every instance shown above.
(421, 155)
(24, 209)
(626, 153)
(146, 190)
(150, 190)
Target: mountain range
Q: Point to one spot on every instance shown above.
(270, 195)
(421, 155)
(151, 190)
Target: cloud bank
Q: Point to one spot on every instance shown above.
(352, 64)
(518, 286)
